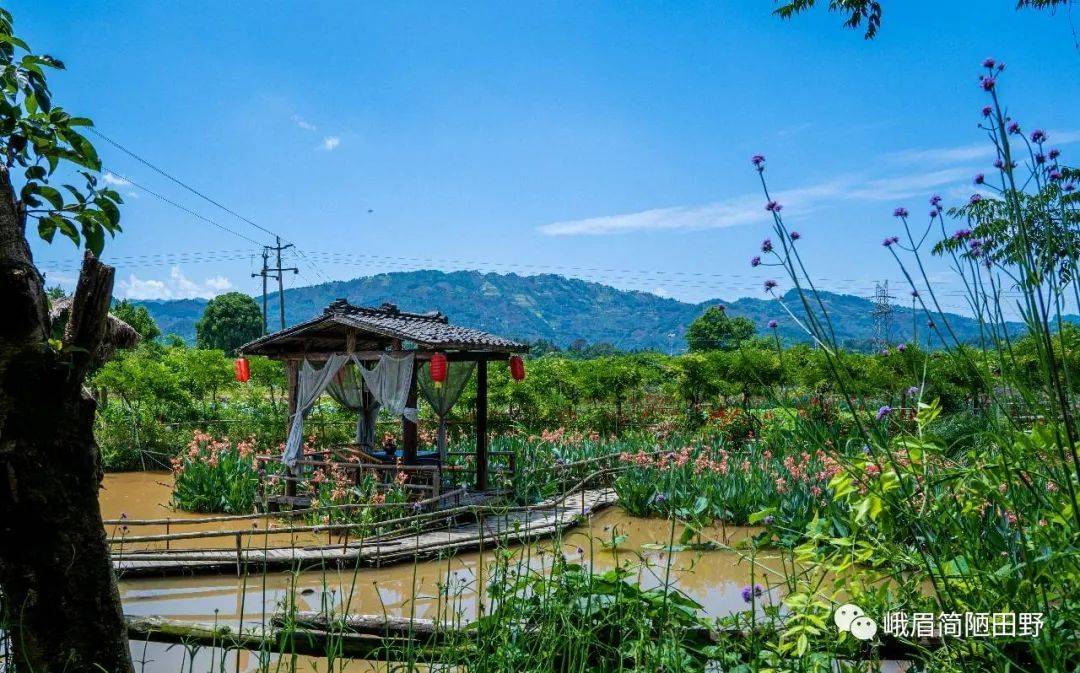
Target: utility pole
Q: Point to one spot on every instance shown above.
(280, 282)
(264, 274)
(275, 272)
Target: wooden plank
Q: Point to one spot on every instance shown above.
(544, 520)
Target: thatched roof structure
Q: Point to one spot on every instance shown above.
(374, 329)
(118, 334)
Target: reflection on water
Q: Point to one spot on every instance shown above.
(448, 587)
(439, 589)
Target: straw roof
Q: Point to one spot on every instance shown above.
(118, 334)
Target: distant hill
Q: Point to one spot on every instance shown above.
(559, 309)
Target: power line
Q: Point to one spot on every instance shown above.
(196, 192)
(187, 210)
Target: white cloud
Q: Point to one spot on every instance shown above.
(943, 156)
(303, 123)
(176, 286)
(948, 170)
(730, 212)
(114, 180)
(661, 292)
(331, 143)
(907, 186)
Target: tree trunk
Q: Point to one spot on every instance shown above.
(62, 607)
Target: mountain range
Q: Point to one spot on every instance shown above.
(565, 311)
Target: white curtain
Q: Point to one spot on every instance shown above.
(389, 381)
(348, 389)
(311, 383)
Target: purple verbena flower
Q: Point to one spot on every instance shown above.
(795, 235)
(1055, 174)
(1054, 153)
(989, 63)
(773, 207)
(935, 200)
(979, 178)
(755, 260)
(987, 83)
(1069, 187)
(772, 324)
(961, 234)
(998, 163)
(1038, 136)
(759, 161)
(766, 245)
(1040, 158)
(975, 198)
(987, 110)
(890, 241)
(902, 347)
(751, 592)
(883, 412)
(913, 391)
(900, 212)
(1013, 127)
(770, 285)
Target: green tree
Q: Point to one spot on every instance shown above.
(62, 608)
(138, 317)
(714, 330)
(229, 321)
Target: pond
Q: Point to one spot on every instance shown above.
(444, 588)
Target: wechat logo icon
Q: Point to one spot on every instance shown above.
(851, 618)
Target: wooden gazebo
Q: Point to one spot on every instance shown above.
(369, 333)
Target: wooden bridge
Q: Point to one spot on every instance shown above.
(471, 523)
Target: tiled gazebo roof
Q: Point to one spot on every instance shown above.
(375, 329)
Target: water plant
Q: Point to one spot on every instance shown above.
(215, 475)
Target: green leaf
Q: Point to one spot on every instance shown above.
(52, 195)
(67, 228)
(46, 229)
(112, 213)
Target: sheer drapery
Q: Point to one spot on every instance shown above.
(310, 383)
(442, 398)
(389, 381)
(347, 387)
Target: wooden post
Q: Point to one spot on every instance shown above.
(292, 372)
(408, 428)
(481, 425)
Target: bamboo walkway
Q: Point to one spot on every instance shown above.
(516, 525)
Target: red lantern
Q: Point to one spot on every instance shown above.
(438, 369)
(517, 368)
(243, 370)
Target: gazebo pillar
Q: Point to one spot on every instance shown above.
(408, 428)
(481, 424)
(292, 375)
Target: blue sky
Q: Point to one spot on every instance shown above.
(609, 141)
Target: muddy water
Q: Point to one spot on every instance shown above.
(147, 495)
(446, 589)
